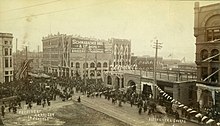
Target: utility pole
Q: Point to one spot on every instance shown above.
(96, 64)
(86, 49)
(38, 52)
(16, 54)
(157, 46)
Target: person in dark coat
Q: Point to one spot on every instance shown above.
(3, 111)
(79, 99)
(145, 106)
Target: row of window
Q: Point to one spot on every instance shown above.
(121, 56)
(8, 42)
(8, 51)
(204, 54)
(7, 72)
(8, 79)
(92, 65)
(213, 34)
(121, 63)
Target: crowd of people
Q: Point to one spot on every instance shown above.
(34, 90)
(42, 90)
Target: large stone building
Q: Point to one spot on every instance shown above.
(71, 56)
(207, 33)
(6, 60)
(89, 56)
(55, 54)
(121, 52)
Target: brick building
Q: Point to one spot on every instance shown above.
(70, 56)
(121, 52)
(207, 33)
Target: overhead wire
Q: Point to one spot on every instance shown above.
(40, 4)
(51, 12)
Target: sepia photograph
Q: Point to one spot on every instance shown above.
(110, 63)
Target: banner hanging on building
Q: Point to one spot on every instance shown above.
(79, 45)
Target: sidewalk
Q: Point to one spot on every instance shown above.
(129, 114)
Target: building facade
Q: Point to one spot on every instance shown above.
(55, 54)
(207, 33)
(89, 57)
(121, 52)
(6, 61)
(71, 56)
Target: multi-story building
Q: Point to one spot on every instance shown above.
(207, 33)
(121, 52)
(67, 55)
(6, 60)
(89, 56)
(55, 54)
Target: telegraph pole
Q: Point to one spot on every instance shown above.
(86, 49)
(96, 64)
(38, 52)
(16, 54)
(157, 46)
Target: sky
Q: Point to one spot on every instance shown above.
(141, 21)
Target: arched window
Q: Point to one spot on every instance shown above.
(84, 65)
(98, 64)
(77, 65)
(92, 73)
(98, 72)
(92, 65)
(104, 64)
(213, 53)
(204, 54)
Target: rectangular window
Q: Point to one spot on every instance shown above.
(213, 34)
(6, 42)
(10, 51)
(6, 62)
(10, 62)
(10, 42)
(6, 79)
(6, 72)
(11, 72)
(6, 51)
